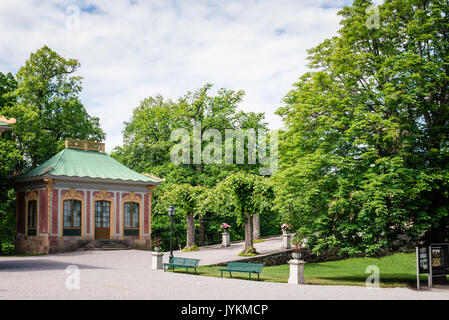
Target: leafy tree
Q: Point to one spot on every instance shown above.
(186, 199)
(48, 109)
(147, 147)
(365, 153)
(147, 142)
(245, 195)
(9, 160)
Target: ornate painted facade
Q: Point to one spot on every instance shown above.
(80, 196)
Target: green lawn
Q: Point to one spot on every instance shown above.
(398, 270)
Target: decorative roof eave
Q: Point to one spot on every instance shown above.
(18, 180)
(8, 121)
(4, 124)
(153, 177)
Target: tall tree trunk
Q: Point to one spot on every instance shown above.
(190, 230)
(201, 232)
(256, 226)
(248, 233)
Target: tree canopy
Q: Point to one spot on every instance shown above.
(47, 107)
(364, 156)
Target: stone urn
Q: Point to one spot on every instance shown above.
(296, 255)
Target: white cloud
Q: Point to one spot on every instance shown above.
(130, 50)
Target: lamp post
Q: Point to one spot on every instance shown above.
(171, 213)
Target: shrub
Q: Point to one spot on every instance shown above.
(192, 248)
(7, 248)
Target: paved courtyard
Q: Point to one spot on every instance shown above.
(127, 275)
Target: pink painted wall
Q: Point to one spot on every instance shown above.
(43, 212)
(146, 214)
(21, 212)
(54, 211)
(88, 218)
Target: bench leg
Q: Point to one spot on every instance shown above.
(230, 274)
(222, 274)
(258, 278)
(250, 276)
(195, 271)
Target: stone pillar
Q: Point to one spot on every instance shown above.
(286, 241)
(226, 240)
(156, 260)
(296, 272)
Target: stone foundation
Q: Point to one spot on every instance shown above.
(32, 245)
(54, 244)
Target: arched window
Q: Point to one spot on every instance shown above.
(131, 218)
(32, 218)
(72, 217)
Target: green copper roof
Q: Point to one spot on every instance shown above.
(90, 164)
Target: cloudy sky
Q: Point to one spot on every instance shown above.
(132, 49)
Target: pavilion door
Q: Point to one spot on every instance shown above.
(102, 219)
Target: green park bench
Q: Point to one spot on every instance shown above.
(182, 263)
(243, 267)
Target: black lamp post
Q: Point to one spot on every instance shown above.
(171, 213)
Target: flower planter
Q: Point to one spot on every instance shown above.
(296, 255)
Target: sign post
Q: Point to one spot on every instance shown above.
(433, 260)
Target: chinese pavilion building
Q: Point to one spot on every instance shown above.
(79, 196)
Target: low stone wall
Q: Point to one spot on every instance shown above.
(268, 259)
(283, 256)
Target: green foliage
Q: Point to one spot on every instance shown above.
(7, 248)
(241, 194)
(185, 198)
(146, 136)
(365, 152)
(190, 249)
(147, 148)
(250, 252)
(47, 107)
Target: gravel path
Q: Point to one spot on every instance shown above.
(127, 275)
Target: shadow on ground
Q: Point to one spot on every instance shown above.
(39, 265)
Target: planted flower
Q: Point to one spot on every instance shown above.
(286, 227)
(225, 227)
